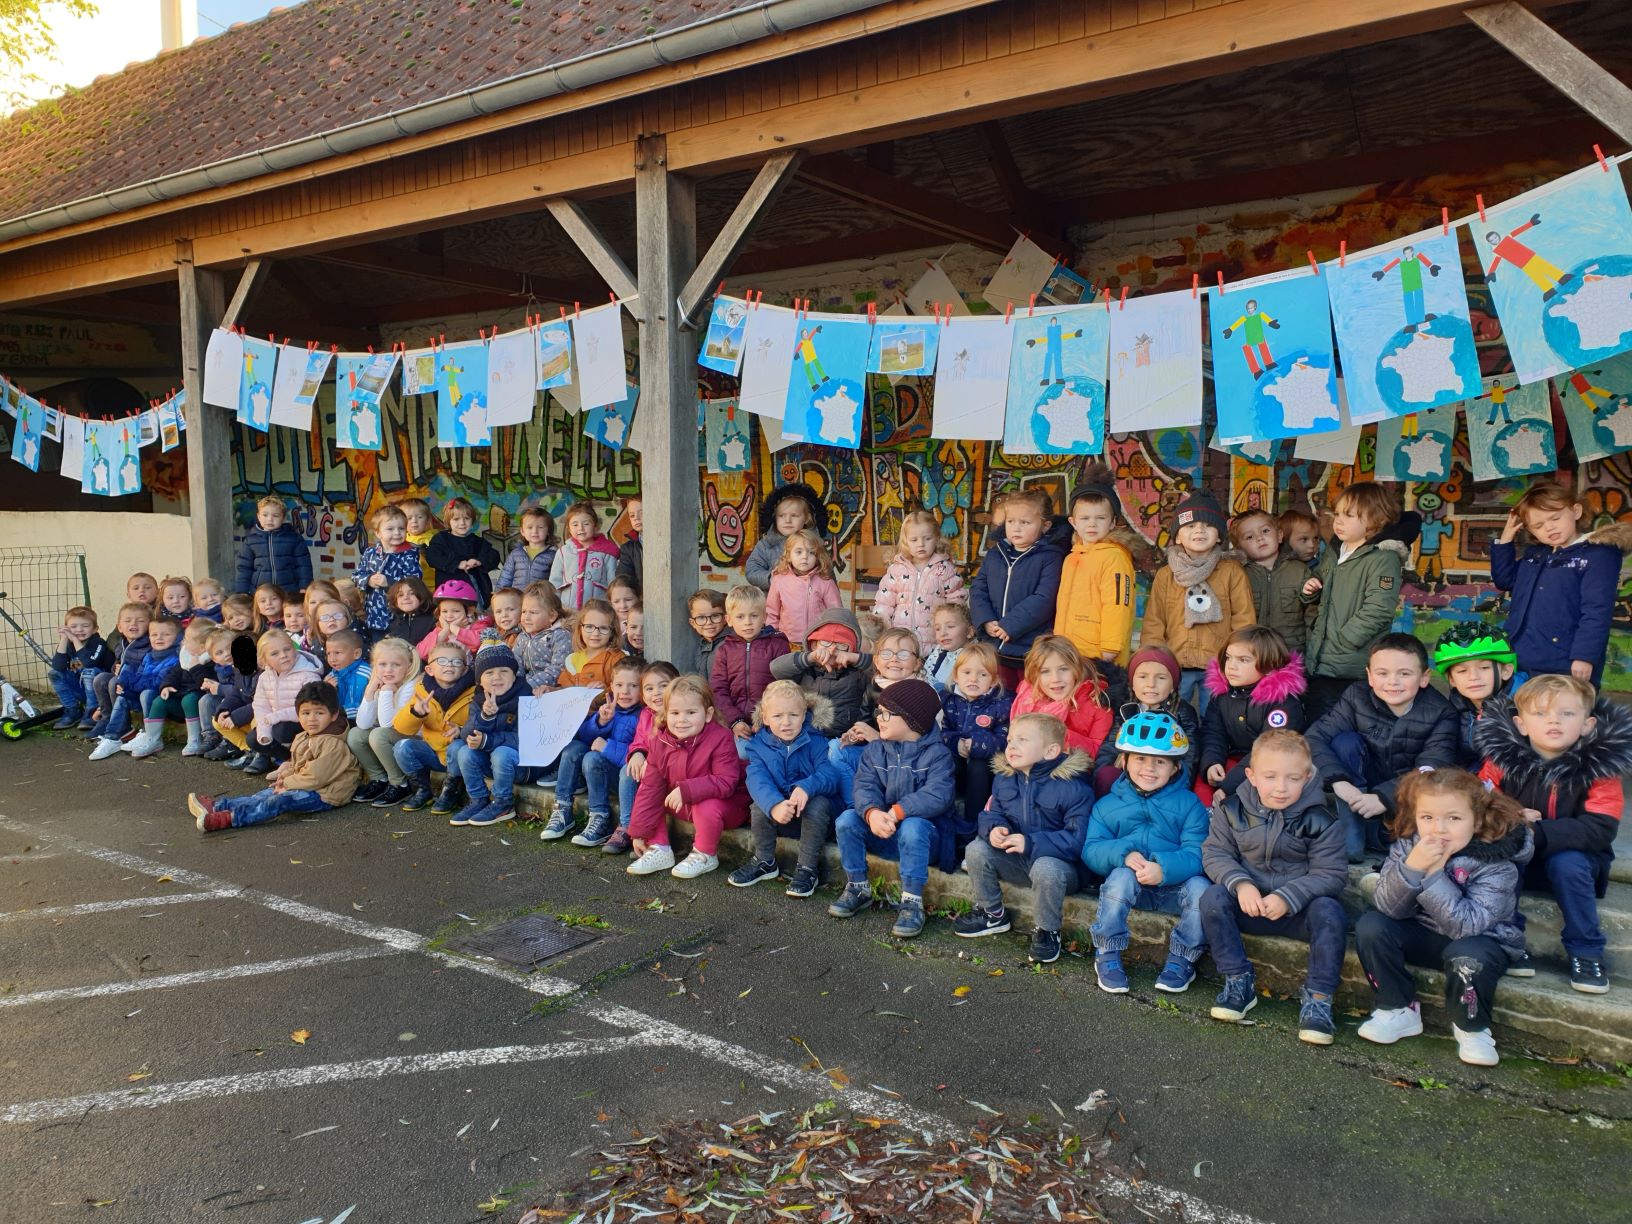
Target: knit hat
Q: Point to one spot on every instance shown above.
(837, 625)
(913, 700)
(1200, 507)
(1155, 654)
(497, 655)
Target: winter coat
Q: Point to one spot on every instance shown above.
(499, 729)
(439, 726)
(1297, 853)
(470, 637)
(1050, 804)
(1358, 602)
(1095, 606)
(275, 695)
(1017, 590)
(543, 655)
(769, 549)
(350, 682)
(580, 574)
(741, 671)
(1180, 711)
(395, 566)
(594, 670)
(1167, 826)
(908, 596)
(911, 779)
(152, 672)
(93, 656)
(796, 600)
(1578, 793)
(235, 696)
(619, 733)
(381, 709)
(279, 557)
(446, 550)
(631, 560)
(1195, 645)
(983, 721)
(411, 627)
(1425, 736)
(1236, 717)
(1563, 598)
(324, 764)
(521, 571)
(1467, 720)
(130, 663)
(1475, 893)
(1087, 721)
(642, 743)
(188, 679)
(1277, 597)
(776, 767)
(704, 767)
(844, 691)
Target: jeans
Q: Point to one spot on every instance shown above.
(1121, 892)
(811, 827)
(208, 706)
(1321, 924)
(1472, 966)
(1574, 877)
(1050, 879)
(102, 687)
(476, 763)
(75, 690)
(627, 787)
(418, 760)
(579, 759)
(911, 845)
(269, 804)
(1193, 687)
(1360, 833)
(115, 721)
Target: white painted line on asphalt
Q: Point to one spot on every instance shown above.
(103, 907)
(156, 1095)
(166, 981)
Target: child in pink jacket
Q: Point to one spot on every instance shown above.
(919, 580)
(802, 587)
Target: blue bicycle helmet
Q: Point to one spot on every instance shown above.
(1151, 734)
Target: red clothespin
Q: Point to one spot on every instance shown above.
(1602, 160)
(577, 310)
(1123, 303)
(719, 289)
(311, 346)
(1107, 297)
(1480, 200)
(1445, 220)
(1221, 282)
(563, 314)
(1008, 312)
(612, 297)
(1312, 263)
(1342, 252)
(731, 411)
(442, 340)
(371, 350)
(1195, 283)
(1031, 306)
(872, 314)
(333, 349)
(270, 338)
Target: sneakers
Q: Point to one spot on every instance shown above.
(754, 872)
(1109, 973)
(106, 747)
(494, 811)
(258, 763)
(1476, 1049)
(451, 799)
(418, 798)
(978, 922)
(1315, 1024)
(222, 750)
(1388, 1024)
(619, 843)
(656, 858)
(855, 898)
(695, 864)
(909, 917)
(239, 758)
(559, 825)
(1588, 976)
(463, 816)
(370, 790)
(1176, 975)
(1239, 996)
(69, 719)
(1523, 967)
(147, 744)
(1045, 947)
(394, 794)
(206, 815)
(803, 883)
(599, 828)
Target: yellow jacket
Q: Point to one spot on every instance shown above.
(439, 726)
(1095, 608)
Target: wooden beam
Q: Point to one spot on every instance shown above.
(208, 433)
(1022, 201)
(253, 275)
(1560, 63)
(402, 261)
(594, 248)
(850, 180)
(114, 308)
(773, 176)
(872, 244)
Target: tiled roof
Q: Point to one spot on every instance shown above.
(312, 68)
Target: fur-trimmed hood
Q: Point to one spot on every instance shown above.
(819, 713)
(1272, 687)
(1604, 752)
(1615, 535)
(1074, 764)
(806, 494)
(1399, 547)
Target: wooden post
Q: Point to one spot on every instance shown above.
(666, 246)
(1560, 62)
(209, 430)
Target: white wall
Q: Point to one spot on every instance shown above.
(116, 546)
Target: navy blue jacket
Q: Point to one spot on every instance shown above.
(500, 729)
(775, 767)
(1051, 805)
(279, 556)
(618, 734)
(917, 776)
(188, 679)
(94, 656)
(1563, 599)
(130, 663)
(446, 550)
(1018, 591)
(1361, 731)
(983, 721)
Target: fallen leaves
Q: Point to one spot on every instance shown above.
(962, 992)
(301, 1036)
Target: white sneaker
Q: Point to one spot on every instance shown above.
(1388, 1024)
(1476, 1049)
(106, 747)
(134, 742)
(656, 858)
(147, 744)
(695, 864)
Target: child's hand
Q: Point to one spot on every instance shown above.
(1014, 843)
(881, 822)
(1531, 815)
(672, 800)
(1581, 670)
(223, 722)
(999, 837)
(420, 709)
(62, 638)
(742, 730)
(798, 798)
(1134, 860)
(1215, 774)
(783, 813)
(639, 846)
(993, 629)
(604, 714)
(1250, 900)
(475, 739)
(490, 705)
(840, 659)
(637, 766)
(1312, 587)
(166, 691)
(119, 690)
(1511, 528)
(599, 744)
(1275, 907)
(469, 565)
(963, 747)
(1367, 806)
(210, 686)
(379, 582)
(332, 680)
(1427, 856)
(540, 689)
(1148, 873)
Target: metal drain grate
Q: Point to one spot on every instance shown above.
(525, 942)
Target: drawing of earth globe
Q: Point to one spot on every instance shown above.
(1175, 448)
(1435, 373)
(830, 412)
(1427, 443)
(1067, 419)
(1591, 316)
(1526, 447)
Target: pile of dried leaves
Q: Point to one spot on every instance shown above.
(857, 1169)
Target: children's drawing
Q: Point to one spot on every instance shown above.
(359, 381)
(972, 379)
(1559, 263)
(8, 399)
(1401, 314)
(73, 449)
(29, 433)
(903, 348)
(170, 421)
(1274, 364)
(553, 358)
(52, 430)
(934, 291)
(769, 339)
(1065, 288)
(295, 386)
(827, 392)
(461, 394)
(255, 383)
(1418, 445)
(98, 457)
(511, 378)
(1056, 396)
(1262, 451)
(611, 424)
(127, 459)
(147, 427)
(1597, 401)
(726, 441)
(1155, 362)
(419, 371)
(1510, 429)
(597, 341)
(723, 338)
(223, 369)
(1023, 273)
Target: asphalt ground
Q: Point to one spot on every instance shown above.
(153, 981)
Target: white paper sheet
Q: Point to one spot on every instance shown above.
(73, 448)
(294, 389)
(769, 342)
(511, 378)
(597, 343)
(546, 724)
(223, 369)
(1337, 446)
(1155, 363)
(972, 379)
(934, 288)
(1023, 272)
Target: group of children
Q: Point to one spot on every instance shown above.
(1269, 731)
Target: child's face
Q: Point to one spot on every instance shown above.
(314, 718)
(269, 605)
(581, 527)
(784, 716)
(1152, 684)
(1445, 817)
(1240, 666)
(444, 667)
(206, 598)
(533, 531)
(535, 617)
(1027, 746)
(1396, 677)
(1092, 520)
(460, 523)
(269, 517)
(918, 543)
(596, 630)
(407, 601)
(621, 598)
(341, 657)
(332, 617)
(1557, 727)
(79, 628)
(973, 678)
(177, 600)
(687, 715)
(951, 630)
(636, 514)
(1056, 679)
(141, 589)
(1554, 528)
(792, 515)
(634, 628)
(161, 636)
(1198, 539)
(1347, 525)
(1476, 679)
(897, 659)
(1303, 541)
(392, 532)
(236, 619)
(418, 519)
(280, 656)
(1279, 777)
(1149, 773)
(506, 612)
(497, 681)
(802, 557)
(894, 728)
(746, 620)
(652, 691)
(1260, 538)
(450, 614)
(1022, 525)
(294, 618)
(221, 655)
(707, 620)
(626, 688)
(389, 668)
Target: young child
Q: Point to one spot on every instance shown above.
(1059, 681)
(492, 740)
(178, 696)
(389, 559)
(1448, 897)
(332, 617)
(622, 595)
(1357, 587)
(455, 604)
(394, 671)
(1477, 661)
(1199, 597)
(1144, 838)
(207, 597)
(895, 657)
(229, 687)
(1153, 688)
(269, 599)
(950, 630)
(319, 592)
(631, 553)
(294, 620)
(1274, 853)
(1012, 600)
(834, 666)
(531, 560)
(596, 754)
(901, 805)
(796, 788)
(238, 613)
(1300, 532)
(176, 598)
(586, 562)
(503, 622)
(1095, 608)
(544, 644)
(1256, 683)
(634, 631)
(742, 662)
(802, 587)
(284, 672)
(320, 775)
(1562, 756)
(130, 628)
(431, 728)
(348, 669)
(420, 521)
(411, 614)
(788, 509)
(1383, 726)
(273, 551)
(705, 612)
(655, 679)
(599, 648)
(1031, 833)
(142, 673)
(1276, 576)
(1565, 585)
(693, 773)
(80, 658)
(975, 715)
(920, 580)
(458, 552)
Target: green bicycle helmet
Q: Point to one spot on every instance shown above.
(1472, 640)
(1153, 734)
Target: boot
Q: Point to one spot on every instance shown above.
(221, 750)
(452, 797)
(258, 763)
(195, 739)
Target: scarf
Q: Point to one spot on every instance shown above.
(1201, 605)
(446, 695)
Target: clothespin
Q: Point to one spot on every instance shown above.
(1031, 307)
(333, 349)
(1480, 200)
(270, 338)
(1221, 282)
(577, 310)
(1342, 252)
(1107, 297)
(371, 350)
(311, 346)
(1008, 312)
(563, 314)
(1312, 262)
(872, 314)
(1123, 303)
(442, 340)
(719, 289)
(1195, 283)
(1602, 161)
(613, 297)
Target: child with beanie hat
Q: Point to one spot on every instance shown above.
(492, 741)
(1153, 688)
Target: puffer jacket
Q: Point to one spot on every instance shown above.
(1095, 608)
(1476, 893)
(1018, 590)
(1167, 826)
(543, 655)
(631, 558)
(189, 679)
(279, 557)
(983, 720)
(521, 571)
(580, 574)
(1277, 596)
(1425, 736)
(741, 671)
(153, 671)
(845, 691)
(1181, 712)
(1297, 853)
(439, 725)
(619, 732)
(1358, 602)
(1050, 804)
(130, 662)
(704, 767)
(1562, 598)
(236, 695)
(275, 695)
(1236, 717)
(917, 779)
(775, 766)
(908, 596)
(500, 728)
(1087, 721)
(1195, 645)
(447, 551)
(797, 601)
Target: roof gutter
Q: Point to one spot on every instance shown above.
(688, 42)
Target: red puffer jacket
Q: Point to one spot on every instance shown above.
(742, 670)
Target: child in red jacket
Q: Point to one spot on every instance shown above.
(1059, 681)
(742, 661)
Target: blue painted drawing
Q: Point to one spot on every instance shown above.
(255, 388)
(554, 360)
(722, 339)
(827, 393)
(1056, 397)
(1597, 401)
(610, 424)
(1510, 429)
(461, 394)
(902, 348)
(359, 381)
(29, 432)
(1274, 364)
(726, 443)
(1417, 446)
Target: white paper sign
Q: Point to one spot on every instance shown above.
(935, 288)
(223, 369)
(972, 379)
(1156, 363)
(73, 447)
(511, 379)
(768, 343)
(597, 342)
(546, 724)
(1023, 272)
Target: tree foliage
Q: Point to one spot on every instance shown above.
(26, 41)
